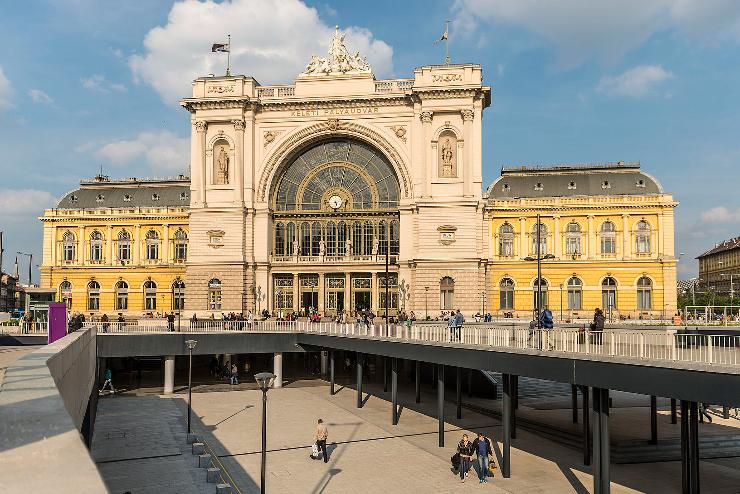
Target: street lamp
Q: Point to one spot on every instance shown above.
(732, 290)
(265, 381)
(191, 346)
(539, 260)
(426, 304)
(30, 263)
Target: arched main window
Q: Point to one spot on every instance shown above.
(506, 294)
(121, 295)
(96, 246)
(573, 238)
(152, 245)
(642, 237)
(506, 240)
(65, 293)
(543, 239)
(609, 293)
(395, 237)
(279, 239)
(214, 294)
(644, 293)
(150, 295)
(178, 295)
(124, 246)
(93, 295)
(575, 293)
(608, 238)
(69, 247)
(447, 293)
(290, 239)
(181, 245)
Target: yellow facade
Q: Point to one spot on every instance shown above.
(596, 259)
(116, 253)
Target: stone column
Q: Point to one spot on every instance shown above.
(523, 238)
(53, 246)
(374, 291)
(324, 362)
(137, 245)
(467, 117)
(201, 126)
(426, 120)
(625, 236)
(169, 374)
(81, 246)
(659, 234)
(278, 369)
(239, 161)
(321, 287)
(590, 237)
(111, 249)
(296, 292)
(557, 237)
(348, 305)
(165, 255)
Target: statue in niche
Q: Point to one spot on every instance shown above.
(348, 247)
(295, 248)
(321, 248)
(447, 157)
(376, 244)
(222, 166)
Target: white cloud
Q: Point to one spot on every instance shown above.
(98, 82)
(6, 92)
(721, 214)
(15, 202)
(635, 82)
(40, 97)
(271, 40)
(604, 30)
(162, 150)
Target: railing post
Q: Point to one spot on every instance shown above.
(709, 348)
(612, 344)
(642, 345)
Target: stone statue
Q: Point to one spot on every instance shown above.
(321, 248)
(295, 248)
(448, 157)
(222, 166)
(348, 245)
(376, 245)
(339, 60)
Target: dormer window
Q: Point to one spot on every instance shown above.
(126, 197)
(100, 198)
(183, 196)
(506, 188)
(538, 186)
(571, 185)
(155, 197)
(640, 183)
(606, 185)
(73, 199)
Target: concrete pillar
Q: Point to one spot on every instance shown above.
(673, 411)
(359, 380)
(441, 403)
(467, 171)
(374, 284)
(394, 390)
(591, 238)
(601, 451)
(169, 374)
(574, 402)
(586, 427)
(653, 420)
(296, 291)
(523, 251)
(693, 447)
(557, 238)
(331, 373)
(417, 378)
(278, 366)
(324, 362)
(349, 305)
(320, 306)
(506, 423)
(626, 237)
(458, 395)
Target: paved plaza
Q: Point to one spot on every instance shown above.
(367, 453)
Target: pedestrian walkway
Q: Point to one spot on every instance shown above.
(9, 354)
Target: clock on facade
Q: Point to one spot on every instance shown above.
(335, 202)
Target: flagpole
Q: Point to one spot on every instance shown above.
(447, 43)
(228, 57)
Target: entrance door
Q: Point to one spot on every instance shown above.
(362, 300)
(309, 300)
(340, 301)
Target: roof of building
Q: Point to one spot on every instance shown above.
(607, 179)
(102, 192)
(725, 245)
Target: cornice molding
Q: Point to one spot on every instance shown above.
(359, 102)
(193, 105)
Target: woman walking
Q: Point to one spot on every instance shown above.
(465, 449)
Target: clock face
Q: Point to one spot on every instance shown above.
(335, 202)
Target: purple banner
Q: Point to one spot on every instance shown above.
(57, 321)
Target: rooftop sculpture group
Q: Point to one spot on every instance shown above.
(339, 60)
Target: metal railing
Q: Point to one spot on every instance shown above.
(630, 344)
(26, 327)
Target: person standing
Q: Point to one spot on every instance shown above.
(171, 321)
(484, 454)
(451, 326)
(234, 374)
(108, 382)
(459, 320)
(322, 433)
(105, 322)
(465, 449)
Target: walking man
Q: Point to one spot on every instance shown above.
(108, 382)
(171, 321)
(321, 434)
(484, 454)
(234, 374)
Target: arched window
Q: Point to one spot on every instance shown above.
(305, 239)
(69, 246)
(382, 238)
(124, 246)
(608, 238)
(316, 237)
(181, 245)
(178, 295)
(642, 237)
(93, 295)
(446, 293)
(121, 295)
(290, 240)
(395, 237)
(543, 300)
(65, 293)
(644, 293)
(150, 295)
(368, 238)
(573, 238)
(214, 294)
(152, 245)
(609, 293)
(341, 238)
(279, 239)
(96, 246)
(506, 240)
(543, 239)
(506, 294)
(331, 239)
(575, 293)
(357, 238)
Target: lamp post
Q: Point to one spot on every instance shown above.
(265, 381)
(561, 303)
(426, 304)
(191, 346)
(539, 260)
(30, 264)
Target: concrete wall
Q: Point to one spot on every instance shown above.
(42, 406)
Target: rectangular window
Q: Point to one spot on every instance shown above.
(121, 301)
(506, 299)
(93, 301)
(608, 245)
(644, 299)
(506, 248)
(181, 251)
(573, 245)
(214, 299)
(150, 301)
(574, 299)
(124, 250)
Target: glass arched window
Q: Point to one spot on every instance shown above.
(575, 293)
(214, 294)
(608, 238)
(152, 245)
(290, 239)
(124, 246)
(543, 239)
(316, 238)
(69, 246)
(331, 239)
(121, 295)
(357, 238)
(178, 295)
(65, 293)
(96, 246)
(382, 238)
(368, 238)
(395, 237)
(279, 239)
(150, 295)
(609, 293)
(543, 300)
(181, 245)
(506, 294)
(93, 295)
(305, 239)
(573, 238)
(644, 293)
(341, 238)
(642, 237)
(447, 293)
(506, 240)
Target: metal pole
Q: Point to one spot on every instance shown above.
(539, 274)
(417, 376)
(30, 263)
(596, 393)
(685, 473)
(506, 423)
(694, 447)
(387, 302)
(394, 390)
(605, 449)
(673, 411)
(653, 420)
(264, 440)
(359, 380)
(458, 397)
(574, 402)
(514, 390)
(426, 304)
(586, 427)
(190, 386)
(385, 374)
(441, 403)
(331, 373)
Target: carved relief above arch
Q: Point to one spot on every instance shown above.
(296, 141)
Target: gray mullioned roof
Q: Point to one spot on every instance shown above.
(141, 194)
(574, 180)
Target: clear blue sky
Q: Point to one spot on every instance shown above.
(85, 84)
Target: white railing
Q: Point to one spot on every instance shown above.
(25, 327)
(630, 344)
